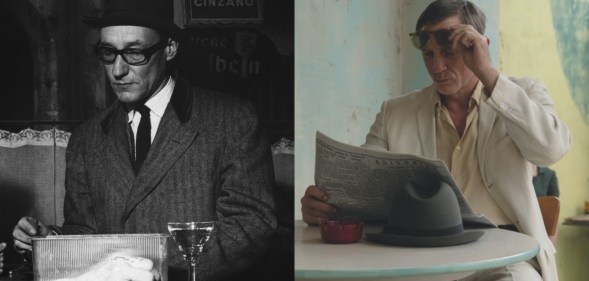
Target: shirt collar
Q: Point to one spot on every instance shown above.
(158, 102)
(475, 98)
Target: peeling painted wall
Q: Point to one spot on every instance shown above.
(549, 40)
(347, 61)
(571, 24)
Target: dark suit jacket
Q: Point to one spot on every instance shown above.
(546, 183)
(208, 161)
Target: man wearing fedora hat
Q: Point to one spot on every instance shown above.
(488, 129)
(165, 151)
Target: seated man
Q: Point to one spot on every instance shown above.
(545, 182)
(487, 128)
(165, 151)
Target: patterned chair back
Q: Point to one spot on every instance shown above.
(32, 177)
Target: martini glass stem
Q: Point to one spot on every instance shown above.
(192, 272)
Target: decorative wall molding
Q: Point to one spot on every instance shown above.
(32, 137)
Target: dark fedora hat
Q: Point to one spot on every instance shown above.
(424, 215)
(154, 14)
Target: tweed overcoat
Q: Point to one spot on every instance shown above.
(208, 161)
(518, 125)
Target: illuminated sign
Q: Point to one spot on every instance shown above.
(205, 12)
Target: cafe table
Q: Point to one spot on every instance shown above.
(365, 260)
(581, 220)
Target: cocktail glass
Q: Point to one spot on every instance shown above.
(191, 237)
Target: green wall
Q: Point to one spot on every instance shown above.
(539, 39)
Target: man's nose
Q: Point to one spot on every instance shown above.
(120, 68)
(438, 63)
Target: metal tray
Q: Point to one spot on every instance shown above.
(68, 256)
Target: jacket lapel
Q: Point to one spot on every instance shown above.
(176, 132)
(426, 124)
(487, 118)
(114, 148)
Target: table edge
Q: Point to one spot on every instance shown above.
(417, 271)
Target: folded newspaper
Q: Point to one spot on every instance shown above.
(360, 181)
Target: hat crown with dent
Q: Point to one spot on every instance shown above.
(161, 9)
(426, 208)
(154, 14)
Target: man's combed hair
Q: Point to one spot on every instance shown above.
(439, 10)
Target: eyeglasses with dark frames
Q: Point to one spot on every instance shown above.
(420, 38)
(131, 56)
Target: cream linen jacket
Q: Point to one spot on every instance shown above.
(517, 126)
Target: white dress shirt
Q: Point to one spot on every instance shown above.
(157, 105)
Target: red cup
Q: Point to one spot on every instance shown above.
(341, 232)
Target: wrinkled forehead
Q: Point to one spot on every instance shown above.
(124, 35)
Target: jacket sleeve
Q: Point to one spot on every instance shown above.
(245, 206)
(531, 120)
(376, 138)
(78, 207)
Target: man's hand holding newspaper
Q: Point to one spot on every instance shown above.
(359, 182)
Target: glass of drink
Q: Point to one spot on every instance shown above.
(191, 237)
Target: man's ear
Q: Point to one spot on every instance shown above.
(171, 49)
(488, 40)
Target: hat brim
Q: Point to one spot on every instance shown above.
(137, 19)
(430, 241)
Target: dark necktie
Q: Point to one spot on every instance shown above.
(143, 141)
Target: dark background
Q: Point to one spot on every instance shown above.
(50, 76)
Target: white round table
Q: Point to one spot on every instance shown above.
(315, 259)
